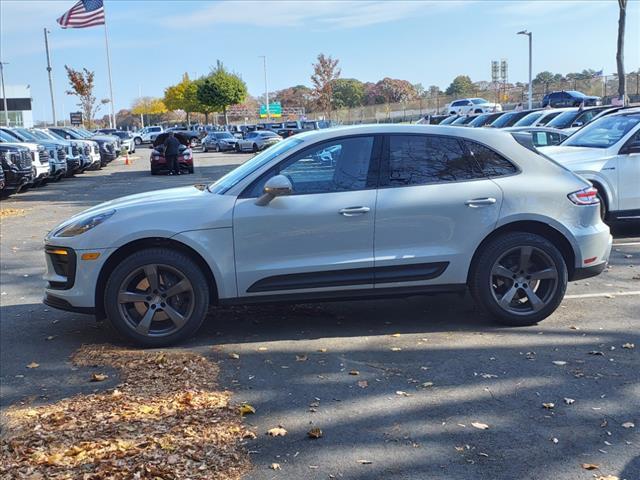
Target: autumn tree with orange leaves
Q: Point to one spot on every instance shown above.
(82, 87)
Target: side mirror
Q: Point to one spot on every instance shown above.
(633, 147)
(577, 124)
(276, 186)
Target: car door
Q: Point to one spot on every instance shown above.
(629, 175)
(319, 238)
(434, 208)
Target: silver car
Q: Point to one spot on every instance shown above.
(346, 213)
(258, 140)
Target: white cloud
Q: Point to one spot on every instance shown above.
(311, 14)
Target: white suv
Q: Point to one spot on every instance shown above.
(356, 212)
(607, 153)
(147, 135)
(465, 106)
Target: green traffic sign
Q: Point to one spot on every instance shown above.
(275, 110)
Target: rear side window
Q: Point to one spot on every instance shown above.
(490, 163)
(424, 159)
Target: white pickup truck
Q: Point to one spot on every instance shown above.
(147, 135)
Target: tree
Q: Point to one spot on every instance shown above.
(184, 96)
(220, 89)
(347, 92)
(148, 106)
(297, 96)
(82, 87)
(460, 86)
(372, 95)
(394, 90)
(622, 80)
(325, 71)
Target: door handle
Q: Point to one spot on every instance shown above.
(480, 202)
(353, 211)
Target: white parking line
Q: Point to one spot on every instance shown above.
(628, 244)
(603, 294)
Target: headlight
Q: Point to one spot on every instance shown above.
(81, 226)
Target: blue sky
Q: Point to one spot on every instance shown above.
(153, 42)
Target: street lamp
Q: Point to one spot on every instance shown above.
(266, 87)
(529, 34)
(4, 94)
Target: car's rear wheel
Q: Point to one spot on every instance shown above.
(603, 205)
(157, 297)
(137, 141)
(204, 147)
(217, 148)
(254, 148)
(520, 278)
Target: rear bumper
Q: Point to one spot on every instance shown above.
(594, 250)
(587, 272)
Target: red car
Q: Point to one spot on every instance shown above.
(159, 164)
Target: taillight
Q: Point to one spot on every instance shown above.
(586, 196)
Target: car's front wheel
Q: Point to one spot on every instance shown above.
(157, 297)
(520, 278)
(137, 141)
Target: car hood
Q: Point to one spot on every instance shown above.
(31, 146)
(160, 213)
(575, 155)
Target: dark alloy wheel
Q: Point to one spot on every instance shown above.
(137, 141)
(157, 297)
(255, 148)
(520, 278)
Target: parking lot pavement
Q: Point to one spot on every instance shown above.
(396, 386)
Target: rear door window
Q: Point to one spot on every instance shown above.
(489, 162)
(425, 159)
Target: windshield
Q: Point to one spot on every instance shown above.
(503, 120)
(564, 120)
(604, 132)
(448, 120)
(41, 135)
(478, 101)
(8, 138)
(84, 133)
(234, 176)
(26, 134)
(224, 135)
(528, 119)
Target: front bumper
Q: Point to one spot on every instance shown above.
(73, 287)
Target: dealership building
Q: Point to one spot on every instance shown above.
(18, 105)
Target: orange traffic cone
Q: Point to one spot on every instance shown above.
(126, 159)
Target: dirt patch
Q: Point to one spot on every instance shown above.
(12, 212)
(166, 420)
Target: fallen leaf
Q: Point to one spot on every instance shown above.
(354, 372)
(234, 356)
(590, 466)
(99, 377)
(365, 462)
(554, 440)
(276, 432)
(363, 384)
(246, 409)
(50, 337)
(33, 365)
(275, 466)
(314, 433)
(559, 362)
(607, 477)
(395, 335)
(569, 401)
(483, 454)
(481, 426)
(427, 384)
(628, 425)
(629, 345)
(322, 350)
(402, 394)
(573, 327)
(549, 405)
(596, 352)
(301, 358)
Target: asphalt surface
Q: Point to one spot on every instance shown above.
(394, 385)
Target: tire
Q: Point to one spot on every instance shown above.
(154, 172)
(254, 149)
(204, 148)
(238, 149)
(504, 255)
(137, 141)
(217, 148)
(190, 169)
(604, 209)
(189, 306)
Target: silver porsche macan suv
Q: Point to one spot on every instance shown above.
(346, 213)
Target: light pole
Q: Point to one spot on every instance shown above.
(266, 87)
(4, 95)
(530, 35)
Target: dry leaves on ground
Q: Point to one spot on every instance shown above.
(11, 212)
(166, 420)
(276, 432)
(314, 433)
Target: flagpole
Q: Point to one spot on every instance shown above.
(53, 103)
(112, 118)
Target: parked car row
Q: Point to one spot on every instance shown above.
(601, 143)
(34, 157)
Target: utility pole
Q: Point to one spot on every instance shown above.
(53, 103)
(4, 94)
(140, 96)
(266, 86)
(530, 35)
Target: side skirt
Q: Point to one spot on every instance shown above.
(363, 294)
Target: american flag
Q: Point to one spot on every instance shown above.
(85, 13)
